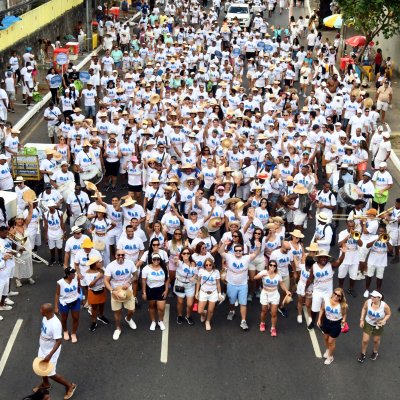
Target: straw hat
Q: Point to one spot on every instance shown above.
(101, 209)
(19, 179)
(129, 202)
(57, 156)
(76, 229)
(121, 295)
(313, 247)
(322, 253)
(297, 233)
(187, 166)
(42, 368)
(322, 217)
(93, 260)
(300, 189)
(232, 200)
(29, 196)
(154, 98)
(215, 223)
(234, 222)
(94, 196)
(288, 299)
(91, 186)
(49, 151)
(240, 205)
(86, 143)
(87, 244)
(278, 220)
(226, 143)
(154, 180)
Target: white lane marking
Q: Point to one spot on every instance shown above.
(10, 345)
(164, 339)
(313, 336)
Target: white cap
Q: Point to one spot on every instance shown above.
(386, 135)
(342, 134)
(375, 293)
(359, 111)
(51, 203)
(3, 157)
(383, 164)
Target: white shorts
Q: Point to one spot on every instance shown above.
(204, 296)
(52, 130)
(4, 288)
(350, 269)
(114, 235)
(317, 300)
(330, 168)
(376, 270)
(363, 252)
(258, 264)
(394, 237)
(55, 243)
(53, 359)
(189, 289)
(382, 105)
(299, 218)
(269, 298)
(302, 291)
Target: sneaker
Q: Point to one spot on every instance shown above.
(18, 283)
(361, 358)
(1, 318)
(116, 334)
(8, 302)
(31, 281)
(236, 303)
(52, 263)
(366, 294)
(70, 391)
(208, 326)
(249, 297)
(161, 325)
(203, 316)
(262, 326)
(283, 312)
(66, 335)
(244, 325)
(93, 327)
(195, 307)
(189, 320)
(273, 332)
(326, 354)
(5, 308)
(131, 323)
(89, 310)
(373, 356)
(328, 361)
(153, 326)
(103, 319)
(179, 320)
(352, 293)
(311, 326)
(13, 293)
(258, 293)
(299, 319)
(360, 276)
(230, 316)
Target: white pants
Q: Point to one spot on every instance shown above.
(350, 269)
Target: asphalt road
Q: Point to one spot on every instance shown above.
(225, 363)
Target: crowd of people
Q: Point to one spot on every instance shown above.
(203, 161)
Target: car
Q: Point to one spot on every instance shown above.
(240, 11)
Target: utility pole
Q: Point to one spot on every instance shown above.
(88, 25)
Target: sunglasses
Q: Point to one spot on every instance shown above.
(238, 251)
(337, 295)
(178, 234)
(272, 265)
(121, 255)
(156, 259)
(186, 253)
(208, 265)
(235, 235)
(156, 244)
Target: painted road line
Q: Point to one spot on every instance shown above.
(10, 345)
(313, 336)
(164, 339)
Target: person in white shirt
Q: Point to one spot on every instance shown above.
(52, 115)
(50, 349)
(6, 180)
(73, 245)
(383, 182)
(47, 165)
(89, 100)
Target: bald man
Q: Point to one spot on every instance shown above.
(50, 348)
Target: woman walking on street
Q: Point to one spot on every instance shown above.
(374, 315)
(331, 320)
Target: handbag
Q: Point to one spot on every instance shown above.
(345, 328)
(150, 203)
(180, 288)
(98, 291)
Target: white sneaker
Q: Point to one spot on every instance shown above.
(299, 319)
(18, 283)
(116, 334)
(161, 325)
(31, 281)
(328, 361)
(13, 293)
(230, 316)
(236, 303)
(326, 354)
(153, 326)
(1, 318)
(366, 294)
(8, 302)
(5, 308)
(360, 276)
(131, 323)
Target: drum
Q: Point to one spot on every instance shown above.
(348, 194)
(66, 189)
(92, 174)
(83, 222)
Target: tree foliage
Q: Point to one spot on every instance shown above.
(372, 17)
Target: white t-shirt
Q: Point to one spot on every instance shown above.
(283, 261)
(208, 280)
(121, 274)
(237, 269)
(50, 332)
(154, 278)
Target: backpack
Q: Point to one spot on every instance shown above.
(333, 240)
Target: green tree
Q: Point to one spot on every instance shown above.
(372, 17)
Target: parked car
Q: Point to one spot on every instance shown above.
(240, 11)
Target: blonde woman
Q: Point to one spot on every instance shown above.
(305, 78)
(331, 320)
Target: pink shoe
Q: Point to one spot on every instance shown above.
(262, 326)
(273, 332)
